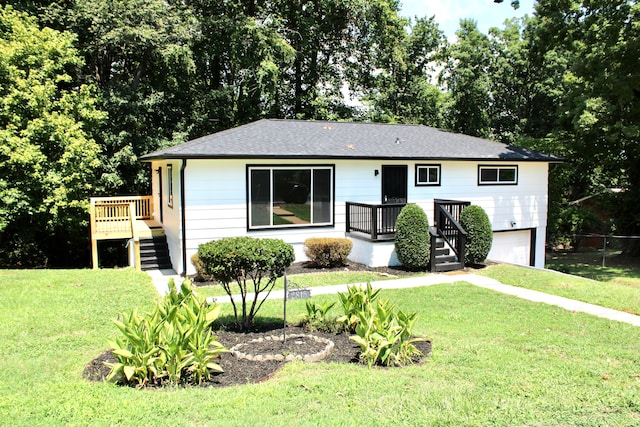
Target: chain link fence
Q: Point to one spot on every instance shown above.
(597, 250)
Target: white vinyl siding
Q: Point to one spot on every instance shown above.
(216, 199)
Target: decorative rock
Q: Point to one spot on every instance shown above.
(299, 340)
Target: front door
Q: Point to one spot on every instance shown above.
(394, 190)
(394, 184)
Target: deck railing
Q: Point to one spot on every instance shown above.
(376, 221)
(115, 217)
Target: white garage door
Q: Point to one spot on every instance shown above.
(512, 247)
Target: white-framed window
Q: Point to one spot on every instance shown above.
(427, 175)
(290, 196)
(498, 175)
(170, 185)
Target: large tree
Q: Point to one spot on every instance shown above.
(467, 80)
(406, 90)
(598, 111)
(48, 157)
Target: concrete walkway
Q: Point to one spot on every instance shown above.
(161, 277)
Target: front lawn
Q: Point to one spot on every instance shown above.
(307, 280)
(496, 360)
(616, 294)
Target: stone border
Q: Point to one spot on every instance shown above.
(281, 357)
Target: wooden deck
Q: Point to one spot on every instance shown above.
(128, 217)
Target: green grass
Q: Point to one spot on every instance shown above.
(309, 280)
(496, 361)
(618, 295)
(617, 269)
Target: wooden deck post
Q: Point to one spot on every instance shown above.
(94, 241)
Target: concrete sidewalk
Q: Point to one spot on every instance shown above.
(160, 279)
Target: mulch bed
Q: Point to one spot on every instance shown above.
(242, 371)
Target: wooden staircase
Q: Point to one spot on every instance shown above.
(130, 217)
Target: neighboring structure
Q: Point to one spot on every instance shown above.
(294, 179)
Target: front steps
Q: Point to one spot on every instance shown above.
(444, 260)
(154, 253)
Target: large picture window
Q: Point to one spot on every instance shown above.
(497, 175)
(290, 196)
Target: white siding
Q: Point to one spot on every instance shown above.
(216, 197)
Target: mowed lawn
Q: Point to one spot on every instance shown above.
(496, 361)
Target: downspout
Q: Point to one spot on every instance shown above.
(183, 204)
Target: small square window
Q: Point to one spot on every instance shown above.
(427, 175)
(497, 175)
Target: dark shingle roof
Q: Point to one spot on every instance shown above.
(273, 138)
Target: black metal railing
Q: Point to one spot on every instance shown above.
(447, 225)
(376, 221)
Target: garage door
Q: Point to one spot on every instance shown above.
(512, 247)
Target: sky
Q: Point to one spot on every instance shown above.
(449, 12)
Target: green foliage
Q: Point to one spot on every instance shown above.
(413, 244)
(201, 274)
(172, 344)
(475, 222)
(385, 336)
(247, 261)
(468, 81)
(354, 301)
(327, 252)
(48, 157)
(317, 317)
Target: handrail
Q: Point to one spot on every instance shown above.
(449, 229)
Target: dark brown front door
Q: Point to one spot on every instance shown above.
(394, 184)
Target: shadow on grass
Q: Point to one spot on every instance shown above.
(590, 265)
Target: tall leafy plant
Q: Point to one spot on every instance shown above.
(171, 344)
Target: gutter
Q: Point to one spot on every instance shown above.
(183, 204)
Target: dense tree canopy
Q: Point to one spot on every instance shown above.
(47, 154)
(88, 86)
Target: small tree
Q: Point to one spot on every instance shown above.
(479, 234)
(247, 261)
(412, 238)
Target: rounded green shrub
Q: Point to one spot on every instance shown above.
(475, 222)
(412, 238)
(253, 264)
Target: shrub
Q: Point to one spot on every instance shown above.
(476, 223)
(327, 252)
(412, 238)
(201, 275)
(173, 342)
(246, 261)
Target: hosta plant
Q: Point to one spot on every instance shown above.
(317, 317)
(354, 301)
(385, 336)
(171, 344)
